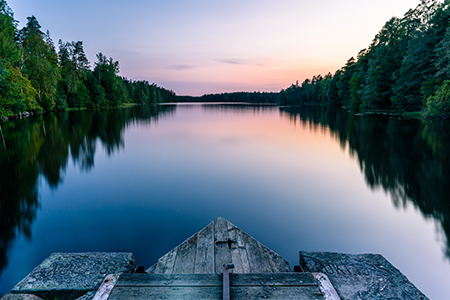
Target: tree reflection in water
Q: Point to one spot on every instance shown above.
(409, 159)
(42, 146)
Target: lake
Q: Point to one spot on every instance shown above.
(145, 178)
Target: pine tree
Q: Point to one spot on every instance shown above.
(16, 93)
(40, 62)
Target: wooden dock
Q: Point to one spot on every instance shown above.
(217, 244)
(193, 270)
(209, 286)
(202, 268)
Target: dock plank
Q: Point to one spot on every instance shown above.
(238, 250)
(222, 253)
(151, 293)
(169, 280)
(178, 280)
(255, 292)
(277, 262)
(165, 264)
(209, 286)
(185, 260)
(257, 258)
(274, 279)
(204, 257)
(220, 243)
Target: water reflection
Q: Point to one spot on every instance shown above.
(239, 107)
(42, 146)
(409, 159)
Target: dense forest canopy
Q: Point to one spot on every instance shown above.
(405, 69)
(254, 97)
(36, 77)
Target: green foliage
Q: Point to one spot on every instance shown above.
(9, 52)
(34, 77)
(385, 56)
(425, 33)
(40, 62)
(74, 67)
(402, 70)
(106, 72)
(143, 92)
(343, 83)
(16, 93)
(442, 61)
(246, 97)
(439, 104)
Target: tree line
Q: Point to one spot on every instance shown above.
(246, 97)
(405, 69)
(35, 77)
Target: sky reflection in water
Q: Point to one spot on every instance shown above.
(147, 180)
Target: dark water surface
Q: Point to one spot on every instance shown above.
(143, 179)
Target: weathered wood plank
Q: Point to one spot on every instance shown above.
(150, 293)
(204, 257)
(326, 287)
(277, 262)
(222, 251)
(221, 243)
(177, 280)
(238, 250)
(273, 279)
(295, 292)
(169, 280)
(185, 260)
(221, 229)
(257, 258)
(209, 286)
(166, 263)
(105, 289)
(151, 269)
(147, 293)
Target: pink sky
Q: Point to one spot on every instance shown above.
(202, 46)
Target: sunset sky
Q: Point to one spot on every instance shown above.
(210, 46)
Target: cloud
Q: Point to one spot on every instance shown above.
(181, 67)
(240, 62)
(231, 61)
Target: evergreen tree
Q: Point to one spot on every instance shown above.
(384, 61)
(417, 64)
(74, 67)
(439, 104)
(16, 93)
(343, 81)
(106, 71)
(40, 62)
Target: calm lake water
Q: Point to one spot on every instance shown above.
(145, 178)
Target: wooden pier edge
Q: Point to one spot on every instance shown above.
(106, 287)
(323, 283)
(326, 287)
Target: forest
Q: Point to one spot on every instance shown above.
(247, 97)
(35, 77)
(405, 70)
